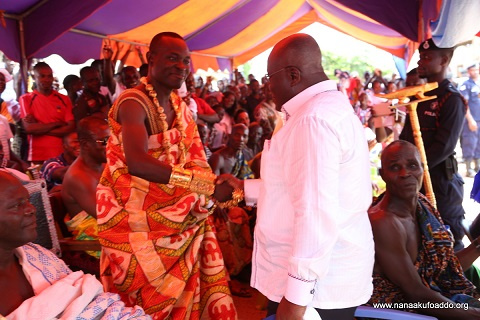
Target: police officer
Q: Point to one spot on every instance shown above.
(441, 122)
(470, 139)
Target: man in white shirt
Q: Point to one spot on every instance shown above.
(313, 240)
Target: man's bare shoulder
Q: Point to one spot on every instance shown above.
(79, 173)
(385, 224)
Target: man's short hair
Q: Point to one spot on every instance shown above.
(125, 69)
(160, 36)
(400, 143)
(87, 125)
(40, 65)
(84, 70)
(69, 80)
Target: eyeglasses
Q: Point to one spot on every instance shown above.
(268, 76)
(103, 141)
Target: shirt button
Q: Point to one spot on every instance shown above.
(312, 291)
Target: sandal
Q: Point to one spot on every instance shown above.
(242, 292)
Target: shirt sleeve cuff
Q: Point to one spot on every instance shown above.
(252, 189)
(299, 291)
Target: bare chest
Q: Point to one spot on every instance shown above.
(413, 237)
(15, 289)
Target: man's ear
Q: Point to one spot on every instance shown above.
(294, 75)
(149, 54)
(445, 60)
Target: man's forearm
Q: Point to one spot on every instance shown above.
(40, 128)
(61, 131)
(210, 118)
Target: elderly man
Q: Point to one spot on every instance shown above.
(158, 248)
(313, 241)
(35, 283)
(414, 257)
(234, 156)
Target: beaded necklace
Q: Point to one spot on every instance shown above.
(166, 143)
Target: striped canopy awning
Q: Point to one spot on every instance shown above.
(222, 34)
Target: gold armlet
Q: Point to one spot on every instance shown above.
(180, 177)
(237, 196)
(203, 182)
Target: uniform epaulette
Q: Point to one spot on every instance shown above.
(452, 88)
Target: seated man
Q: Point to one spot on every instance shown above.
(9, 158)
(204, 133)
(232, 226)
(35, 283)
(54, 169)
(81, 179)
(414, 257)
(234, 156)
(255, 141)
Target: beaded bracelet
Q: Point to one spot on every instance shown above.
(237, 196)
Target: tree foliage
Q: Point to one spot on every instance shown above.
(361, 64)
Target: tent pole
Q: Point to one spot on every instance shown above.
(102, 36)
(24, 62)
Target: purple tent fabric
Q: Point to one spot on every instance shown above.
(46, 28)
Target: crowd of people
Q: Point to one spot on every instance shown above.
(197, 194)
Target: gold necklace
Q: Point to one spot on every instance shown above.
(166, 143)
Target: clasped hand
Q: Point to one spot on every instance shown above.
(225, 185)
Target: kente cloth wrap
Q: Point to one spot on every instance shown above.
(63, 294)
(158, 248)
(84, 227)
(436, 263)
(241, 170)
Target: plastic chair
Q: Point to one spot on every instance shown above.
(388, 314)
(370, 312)
(46, 232)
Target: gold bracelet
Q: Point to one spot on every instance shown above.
(180, 177)
(203, 182)
(237, 196)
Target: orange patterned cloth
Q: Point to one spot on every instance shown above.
(159, 250)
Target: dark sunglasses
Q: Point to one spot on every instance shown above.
(103, 141)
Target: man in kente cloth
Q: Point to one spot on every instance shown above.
(415, 265)
(158, 248)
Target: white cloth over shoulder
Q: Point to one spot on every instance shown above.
(62, 294)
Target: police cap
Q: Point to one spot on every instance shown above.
(429, 45)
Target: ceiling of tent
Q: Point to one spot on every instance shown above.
(221, 34)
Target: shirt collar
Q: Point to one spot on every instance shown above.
(294, 104)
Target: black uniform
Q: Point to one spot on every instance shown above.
(441, 122)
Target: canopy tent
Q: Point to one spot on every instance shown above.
(223, 34)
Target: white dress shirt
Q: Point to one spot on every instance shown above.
(313, 239)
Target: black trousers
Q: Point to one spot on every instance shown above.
(325, 314)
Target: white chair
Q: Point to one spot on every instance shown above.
(46, 232)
